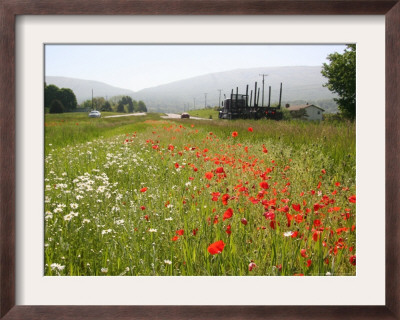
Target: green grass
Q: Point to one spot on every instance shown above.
(99, 219)
(204, 113)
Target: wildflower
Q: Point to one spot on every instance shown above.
(323, 171)
(209, 175)
(74, 206)
(296, 207)
(243, 221)
(303, 253)
(228, 214)
(264, 185)
(228, 229)
(252, 265)
(288, 233)
(152, 230)
(167, 261)
(57, 266)
(174, 238)
(216, 247)
(106, 231)
(225, 199)
(143, 189)
(180, 232)
(352, 260)
(352, 199)
(250, 129)
(309, 263)
(234, 134)
(104, 270)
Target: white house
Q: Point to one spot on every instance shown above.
(311, 112)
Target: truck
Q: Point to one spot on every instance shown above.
(240, 106)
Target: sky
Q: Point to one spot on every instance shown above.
(136, 67)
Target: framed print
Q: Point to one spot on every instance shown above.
(29, 30)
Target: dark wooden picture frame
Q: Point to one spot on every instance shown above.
(10, 9)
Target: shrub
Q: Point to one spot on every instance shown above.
(56, 107)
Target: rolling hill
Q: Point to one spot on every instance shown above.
(301, 83)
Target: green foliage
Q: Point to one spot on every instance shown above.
(341, 75)
(142, 106)
(56, 107)
(65, 95)
(121, 107)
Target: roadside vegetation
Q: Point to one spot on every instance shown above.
(148, 196)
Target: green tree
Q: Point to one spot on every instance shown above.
(341, 75)
(142, 106)
(106, 107)
(67, 98)
(50, 94)
(125, 101)
(120, 107)
(56, 106)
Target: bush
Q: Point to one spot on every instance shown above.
(56, 107)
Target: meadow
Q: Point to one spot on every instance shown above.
(149, 196)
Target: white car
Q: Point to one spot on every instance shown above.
(94, 114)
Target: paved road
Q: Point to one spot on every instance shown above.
(178, 116)
(126, 115)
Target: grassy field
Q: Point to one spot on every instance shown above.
(204, 113)
(149, 196)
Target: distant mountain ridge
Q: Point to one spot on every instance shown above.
(83, 88)
(301, 83)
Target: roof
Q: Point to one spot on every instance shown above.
(303, 106)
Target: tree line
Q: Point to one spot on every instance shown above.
(59, 100)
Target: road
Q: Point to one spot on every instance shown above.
(126, 115)
(178, 116)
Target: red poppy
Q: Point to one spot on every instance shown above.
(228, 214)
(315, 235)
(216, 247)
(194, 231)
(264, 185)
(317, 223)
(174, 238)
(323, 171)
(309, 263)
(228, 229)
(296, 207)
(146, 217)
(234, 134)
(243, 221)
(225, 199)
(250, 129)
(219, 170)
(303, 253)
(352, 199)
(269, 215)
(353, 260)
(209, 175)
(298, 274)
(252, 265)
(171, 147)
(180, 232)
(143, 189)
(294, 234)
(143, 207)
(177, 165)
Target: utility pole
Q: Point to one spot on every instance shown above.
(263, 75)
(205, 100)
(219, 103)
(92, 100)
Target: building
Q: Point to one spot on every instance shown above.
(306, 112)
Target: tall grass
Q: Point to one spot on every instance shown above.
(144, 196)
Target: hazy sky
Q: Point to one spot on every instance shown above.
(137, 67)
